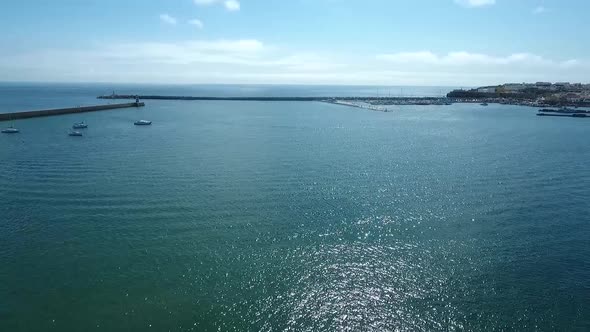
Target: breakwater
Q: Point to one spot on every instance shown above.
(155, 97)
(59, 111)
(370, 100)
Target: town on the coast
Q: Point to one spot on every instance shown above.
(539, 94)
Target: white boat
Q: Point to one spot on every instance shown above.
(74, 133)
(142, 123)
(80, 125)
(10, 130)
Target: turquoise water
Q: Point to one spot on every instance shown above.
(264, 216)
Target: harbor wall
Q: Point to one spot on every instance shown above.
(59, 111)
(426, 99)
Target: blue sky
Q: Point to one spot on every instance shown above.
(389, 42)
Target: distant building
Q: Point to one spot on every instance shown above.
(487, 89)
(543, 85)
(513, 87)
(573, 97)
(562, 86)
(577, 87)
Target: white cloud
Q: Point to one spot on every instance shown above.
(168, 19)
(231, 5)
(475, 3)
(196, 22)
(539, 10)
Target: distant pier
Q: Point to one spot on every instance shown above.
(116, 96)
(347, 101)
(59, 111)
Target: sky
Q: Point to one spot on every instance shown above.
(372, 42)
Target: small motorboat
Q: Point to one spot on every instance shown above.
(10, 130)
(80, 125)
(142, 123)
(484, 104)
(74, 133)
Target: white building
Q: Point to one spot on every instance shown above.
(514, 87)
(488, 89)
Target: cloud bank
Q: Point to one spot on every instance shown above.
(469, 59)
(253, 61)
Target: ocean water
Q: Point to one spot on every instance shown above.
(286, 216)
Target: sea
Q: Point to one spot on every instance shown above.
(291, 216)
